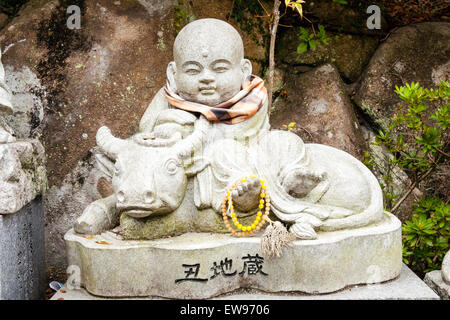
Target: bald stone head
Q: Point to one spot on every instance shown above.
(209, 65)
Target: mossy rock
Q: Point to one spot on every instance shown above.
(418, 53)
(349, 53)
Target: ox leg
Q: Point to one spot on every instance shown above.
(99, 216)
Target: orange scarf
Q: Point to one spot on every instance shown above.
(239, 108)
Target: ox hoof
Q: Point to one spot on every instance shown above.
(96, 218)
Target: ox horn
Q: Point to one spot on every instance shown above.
(109, 144)
(185, 147)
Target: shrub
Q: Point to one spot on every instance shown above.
(425, 236)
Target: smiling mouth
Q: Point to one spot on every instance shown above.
(207, 91)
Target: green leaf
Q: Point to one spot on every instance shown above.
(302, 47)
(313, 44)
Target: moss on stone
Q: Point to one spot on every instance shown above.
(350, 53)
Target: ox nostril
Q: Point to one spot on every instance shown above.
(120, 196)
(149, 197)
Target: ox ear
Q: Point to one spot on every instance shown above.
(105, 164)
(195, 165)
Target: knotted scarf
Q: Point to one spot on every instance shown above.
(239, 108)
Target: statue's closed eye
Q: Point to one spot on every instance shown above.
(221, 66)
(220, 69)
(192, 71)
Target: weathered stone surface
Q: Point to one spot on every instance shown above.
(22, 253)
(349, 53)
(436, 282)
(418, 53)
(407, 286)
(22, 174)
(317, 102)
(143, 268)
(65, 203)
(3, 20)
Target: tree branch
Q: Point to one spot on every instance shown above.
(413, 186)
(273, 35)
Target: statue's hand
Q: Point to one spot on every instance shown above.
(246, 195)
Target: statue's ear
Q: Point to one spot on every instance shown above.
(171, 71)
(196, 165)
(246, 67)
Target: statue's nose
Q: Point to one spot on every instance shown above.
(120, 196)
(207, 77)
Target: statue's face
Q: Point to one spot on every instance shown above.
(209, 68)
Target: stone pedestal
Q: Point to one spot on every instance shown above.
(204, 265)
(435, 281)
(407, 286)
(439, 280)
(22, 250)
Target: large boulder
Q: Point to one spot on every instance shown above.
(317, 101)
(349, 53)
(394, 181)
(419, 53)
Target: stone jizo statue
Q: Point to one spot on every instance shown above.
(205, 130)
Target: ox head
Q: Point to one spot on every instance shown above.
(150, 174)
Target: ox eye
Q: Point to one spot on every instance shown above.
(171, 166)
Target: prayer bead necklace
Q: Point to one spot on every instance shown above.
(260, 219)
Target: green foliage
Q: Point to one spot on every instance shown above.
(311, 40)
(249, 15)
(290, 126)
(182, 17)
(368, 160)
(295, 5)
(417, 137)
(425, 236)
(342, 2)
